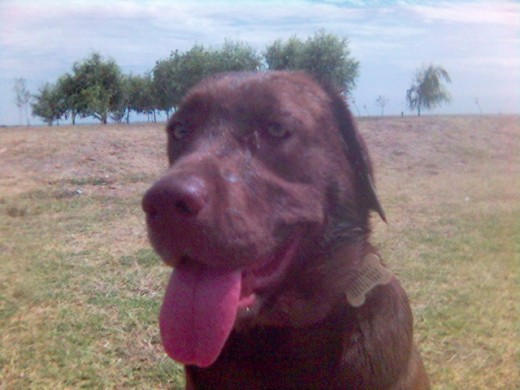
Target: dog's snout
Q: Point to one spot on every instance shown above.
(183, 196)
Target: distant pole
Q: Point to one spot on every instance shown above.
(478, 105)
(381, 101)
(353, 101)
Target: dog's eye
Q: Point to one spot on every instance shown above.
(276, 130)
(179, 131)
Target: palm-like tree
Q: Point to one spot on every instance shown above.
(427, 90)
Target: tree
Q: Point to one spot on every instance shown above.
(71, 87)
(167, 83)
(324, 55)
(199, 62)
(427, 89)
(141, 97)
(122, 109)
(285, 55)
(174, 76)
(191, 67)
(23, 97)
(234, 56)
(381, 102)
(100, 87)
(49, 104)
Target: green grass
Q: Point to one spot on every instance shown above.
(469, 313)
(80, 287)
(74, 313)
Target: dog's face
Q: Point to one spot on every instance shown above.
(267, 178)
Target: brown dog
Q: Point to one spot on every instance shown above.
(264, 213)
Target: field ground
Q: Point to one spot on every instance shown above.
(80, 287)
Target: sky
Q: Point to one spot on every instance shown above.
(477, 42)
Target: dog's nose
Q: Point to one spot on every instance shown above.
(175, 196)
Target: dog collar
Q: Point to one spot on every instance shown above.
(371, 274)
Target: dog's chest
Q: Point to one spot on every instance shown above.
(274, 359)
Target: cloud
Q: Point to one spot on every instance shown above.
(41, 39)
(485, 12)
(73, 25)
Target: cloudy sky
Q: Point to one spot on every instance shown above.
(478, 42)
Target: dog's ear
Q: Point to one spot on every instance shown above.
(374, 200)
(356, 151)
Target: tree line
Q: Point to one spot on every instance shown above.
(97, 88)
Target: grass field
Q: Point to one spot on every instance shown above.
(80, 288)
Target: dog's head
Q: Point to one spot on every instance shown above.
(269, 185)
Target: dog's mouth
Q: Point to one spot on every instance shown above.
(201, 303)
(264, 275)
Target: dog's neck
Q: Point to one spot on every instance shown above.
(372, 273)
(344, 277)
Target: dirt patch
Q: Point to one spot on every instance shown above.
(115, 159)
(88, 157)
(428, 145)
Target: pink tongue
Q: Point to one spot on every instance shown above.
(198, 313)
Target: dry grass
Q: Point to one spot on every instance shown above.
(80, 288)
